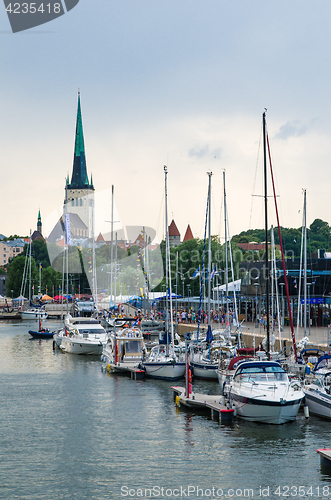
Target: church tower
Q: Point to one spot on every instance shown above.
(79, 193)
(39, 224)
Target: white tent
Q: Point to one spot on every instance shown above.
(233, 286)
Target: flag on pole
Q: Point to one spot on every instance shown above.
(196, 273)
(212, 274)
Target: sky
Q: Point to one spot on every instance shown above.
(179, 83)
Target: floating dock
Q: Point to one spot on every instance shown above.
(213, 404)
(325, 456)
(123, 369)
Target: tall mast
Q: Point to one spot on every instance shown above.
(305, 260)
(111, 244)
(168, 269)
(209, 243)
(266, 231)
(66, 253)
(30, 269)
(226, 258)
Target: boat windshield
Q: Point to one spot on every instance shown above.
(262, 374)
(132, 346)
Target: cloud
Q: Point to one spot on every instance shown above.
(291, 129)
(205, 152)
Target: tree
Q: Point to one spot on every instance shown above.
(15, 276)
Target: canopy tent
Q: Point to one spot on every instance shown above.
(46, 297)
(233, 286)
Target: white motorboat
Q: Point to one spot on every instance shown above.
(318, 394)
(262, 392)
(165, 362)
(83, 336)
(34, 313)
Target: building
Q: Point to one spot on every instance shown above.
(37, 235)
(10, 249)
(79, 196)
(174, 235)
(79, 193)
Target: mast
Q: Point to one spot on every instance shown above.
(111, 244)
(283, 259)
(227, 321)
(168, 269)
(30, 269)
(66, 253)
(266, 231)
(209, 243)
(94, 276)
(305, 261)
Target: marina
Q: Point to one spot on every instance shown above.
(55, 399)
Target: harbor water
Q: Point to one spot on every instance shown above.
(71, 431)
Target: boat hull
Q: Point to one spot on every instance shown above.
(41, 335)
(204, 370)
(265, 410)
(318, 402)
(81, 346)
(164, 370)
(26, 315)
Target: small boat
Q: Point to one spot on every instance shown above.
(318, 395)
(262, 392)
(44, 333)
(34, 313)
(41, 333)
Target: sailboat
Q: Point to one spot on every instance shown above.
(165, 360)
(33, 312)
(203, 358)
(260, 389)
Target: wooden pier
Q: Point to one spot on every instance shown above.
(123, 369)
(213, 404)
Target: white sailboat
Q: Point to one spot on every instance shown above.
(203, 358)
(33, 312)
(165, 361)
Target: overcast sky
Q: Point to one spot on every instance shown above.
(182, 83)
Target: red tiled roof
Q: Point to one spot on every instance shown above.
(173, 230)
(188, 234)
(100, 238)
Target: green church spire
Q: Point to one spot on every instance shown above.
(79, 178)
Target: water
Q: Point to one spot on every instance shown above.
(70, 431)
